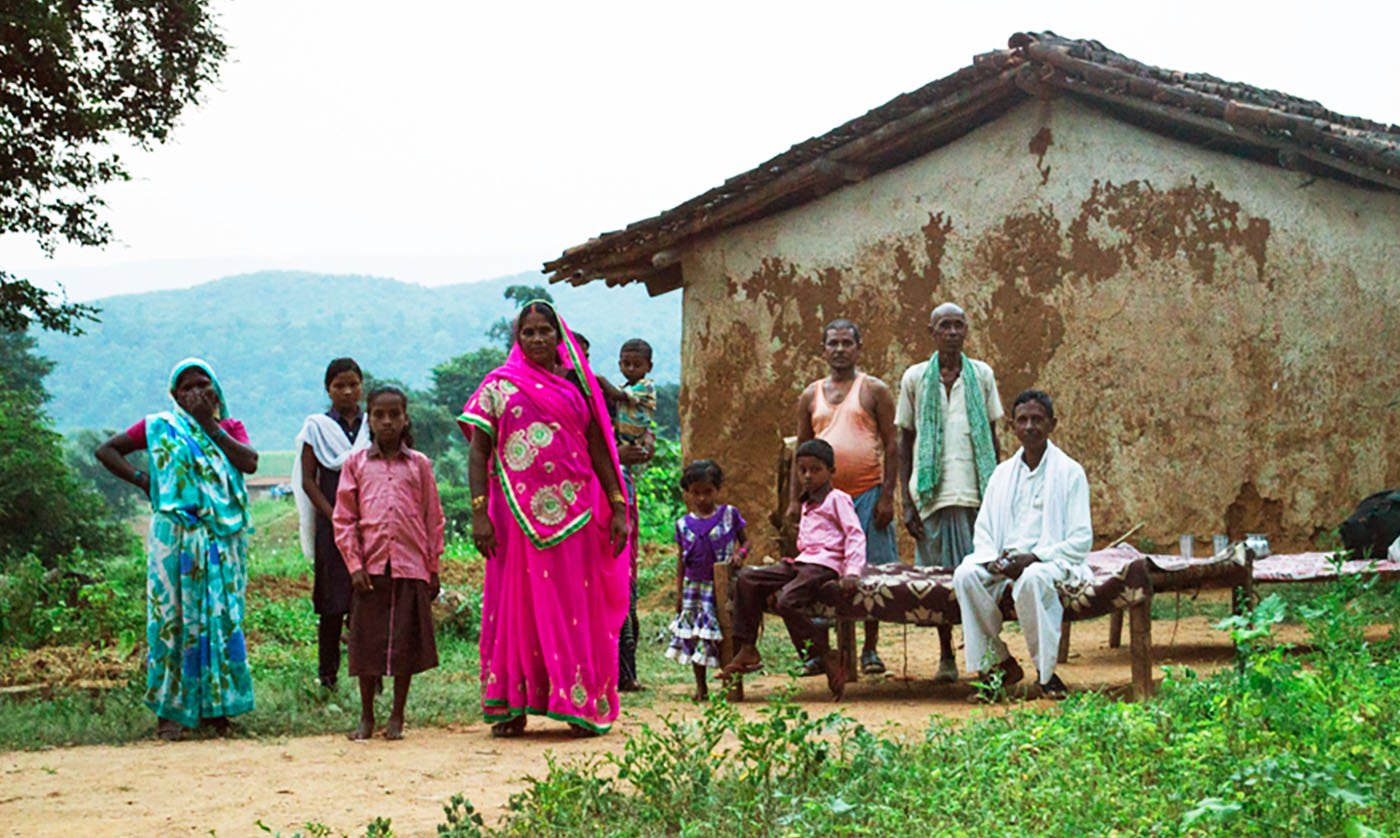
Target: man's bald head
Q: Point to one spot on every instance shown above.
(946, 310)
(948, 323)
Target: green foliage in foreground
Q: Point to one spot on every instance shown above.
(1289, 743)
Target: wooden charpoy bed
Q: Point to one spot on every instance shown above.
(1125, 580)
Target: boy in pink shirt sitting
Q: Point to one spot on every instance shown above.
(830, 545)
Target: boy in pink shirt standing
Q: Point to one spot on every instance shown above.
(830, 544)
(389, 529)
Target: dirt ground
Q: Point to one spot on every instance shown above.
(227, 787)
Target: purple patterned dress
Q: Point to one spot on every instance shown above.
(695, 633)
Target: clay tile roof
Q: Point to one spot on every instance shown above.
(1265, 125)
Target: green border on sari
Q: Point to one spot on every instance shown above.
(478, 422)
(524, 521)
(516, 712)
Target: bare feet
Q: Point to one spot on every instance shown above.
(700, 696)
(169, 730)
(363, 731)
(581, 732)
(509, 729)
(394, 730)
(835, 674)
(221, 726)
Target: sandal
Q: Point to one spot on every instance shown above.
(1054, 689)
(732, 669)
(870, 663)
(509, 729)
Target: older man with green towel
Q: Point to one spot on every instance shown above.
(947, 413)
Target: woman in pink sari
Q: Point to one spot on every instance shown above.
(549, 516)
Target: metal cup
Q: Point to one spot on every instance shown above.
(1219, 543)
(1259, 543)
(1188, 546)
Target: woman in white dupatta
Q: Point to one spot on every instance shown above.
(326, 440)
(1033, 533)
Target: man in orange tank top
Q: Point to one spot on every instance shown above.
(854, 413)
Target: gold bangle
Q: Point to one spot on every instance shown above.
(616, 497)
(478, 503)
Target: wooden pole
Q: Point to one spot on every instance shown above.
(1140, 634)
(1124, 537)
(846, 648)
(1115, 629)
(1063, 655)
(724, 605)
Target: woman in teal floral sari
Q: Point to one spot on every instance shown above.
(196, 573)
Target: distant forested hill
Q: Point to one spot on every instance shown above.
(269, 336)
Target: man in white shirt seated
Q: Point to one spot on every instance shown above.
(1033, 533)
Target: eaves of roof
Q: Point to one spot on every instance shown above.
(1271, 127)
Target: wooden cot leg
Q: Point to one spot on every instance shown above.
(1063, 655)
(723, 607)
(846, 647)
(1140, 645)
(1115, 629)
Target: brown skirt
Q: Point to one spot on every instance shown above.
(391, 628)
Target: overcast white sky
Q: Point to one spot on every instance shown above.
(442, 142)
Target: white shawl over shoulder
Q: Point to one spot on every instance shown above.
(331, 448)
(1066, 533)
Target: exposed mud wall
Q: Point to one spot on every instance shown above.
(1219, 335)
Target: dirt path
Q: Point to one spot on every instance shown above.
(227, 787)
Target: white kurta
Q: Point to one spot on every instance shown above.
(1044, 511)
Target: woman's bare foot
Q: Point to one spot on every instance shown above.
(509, 729)
(169, 730)
(394, 730)
(581, 732)
(221, 726)
(363, 731)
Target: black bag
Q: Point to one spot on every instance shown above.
(1375, 524)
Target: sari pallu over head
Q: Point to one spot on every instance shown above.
(191, 477)
(541, 469)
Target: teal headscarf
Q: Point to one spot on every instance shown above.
(200, 364)
(191, 478)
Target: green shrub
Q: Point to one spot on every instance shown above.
(85, 602)
(1291, 742)
(659, 500)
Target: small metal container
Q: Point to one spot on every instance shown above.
(1219, 543)
(1188, 546)
(1257, 542)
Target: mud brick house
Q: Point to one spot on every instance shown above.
(1204, 274)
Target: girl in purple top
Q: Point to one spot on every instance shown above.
(711, 532)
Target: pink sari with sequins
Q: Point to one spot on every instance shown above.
(555, 595)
